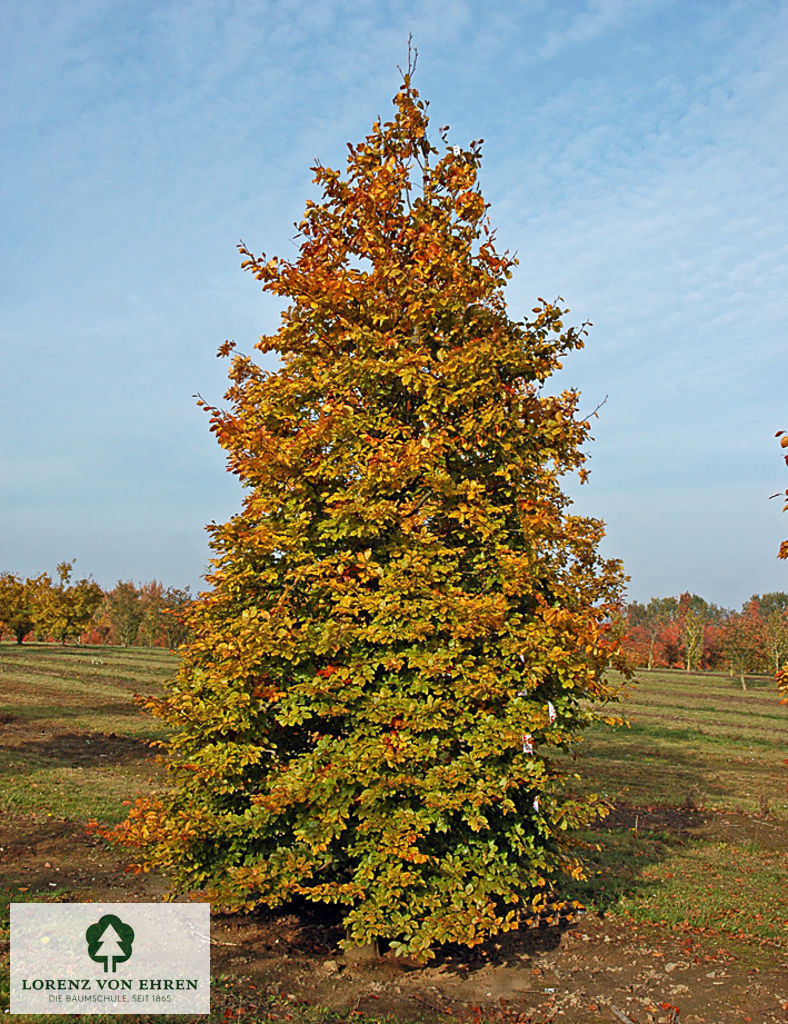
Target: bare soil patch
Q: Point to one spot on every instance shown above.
(680, 822)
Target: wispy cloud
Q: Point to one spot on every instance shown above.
(635, 158)
(594, 19)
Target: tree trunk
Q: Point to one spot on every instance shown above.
(369, 951)
(743, 681)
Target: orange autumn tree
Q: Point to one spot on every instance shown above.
(407, 625)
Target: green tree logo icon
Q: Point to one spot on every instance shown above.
(109, 941)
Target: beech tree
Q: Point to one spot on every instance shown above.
(17, 604)
(694, 617)
(177, 601)
(65, 609)
(407, 625)
(742, 641)
(651, 619)
(125, 611)
(773, 608)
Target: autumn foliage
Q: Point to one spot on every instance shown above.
(406, 624)
(690, 633)
(52, 609)
(60, 610)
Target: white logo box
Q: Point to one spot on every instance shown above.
(110, 958)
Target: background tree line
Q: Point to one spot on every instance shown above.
(684, 632)
(687, 632)
(60, 610)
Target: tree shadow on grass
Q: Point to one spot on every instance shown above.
(630, 768)
(620, 850)
(55, 712)
(84, 749)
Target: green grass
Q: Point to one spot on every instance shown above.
(76, 745)
(699, 736)
(711, 756)
(715, 886)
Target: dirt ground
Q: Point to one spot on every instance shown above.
(593, 970)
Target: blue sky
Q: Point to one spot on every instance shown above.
(635, 157)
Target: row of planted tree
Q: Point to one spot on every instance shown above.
(667, 632)
(687, 632)
(59, 609)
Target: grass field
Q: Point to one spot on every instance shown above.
(699, 832)
(83, 743)
(697, 839)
